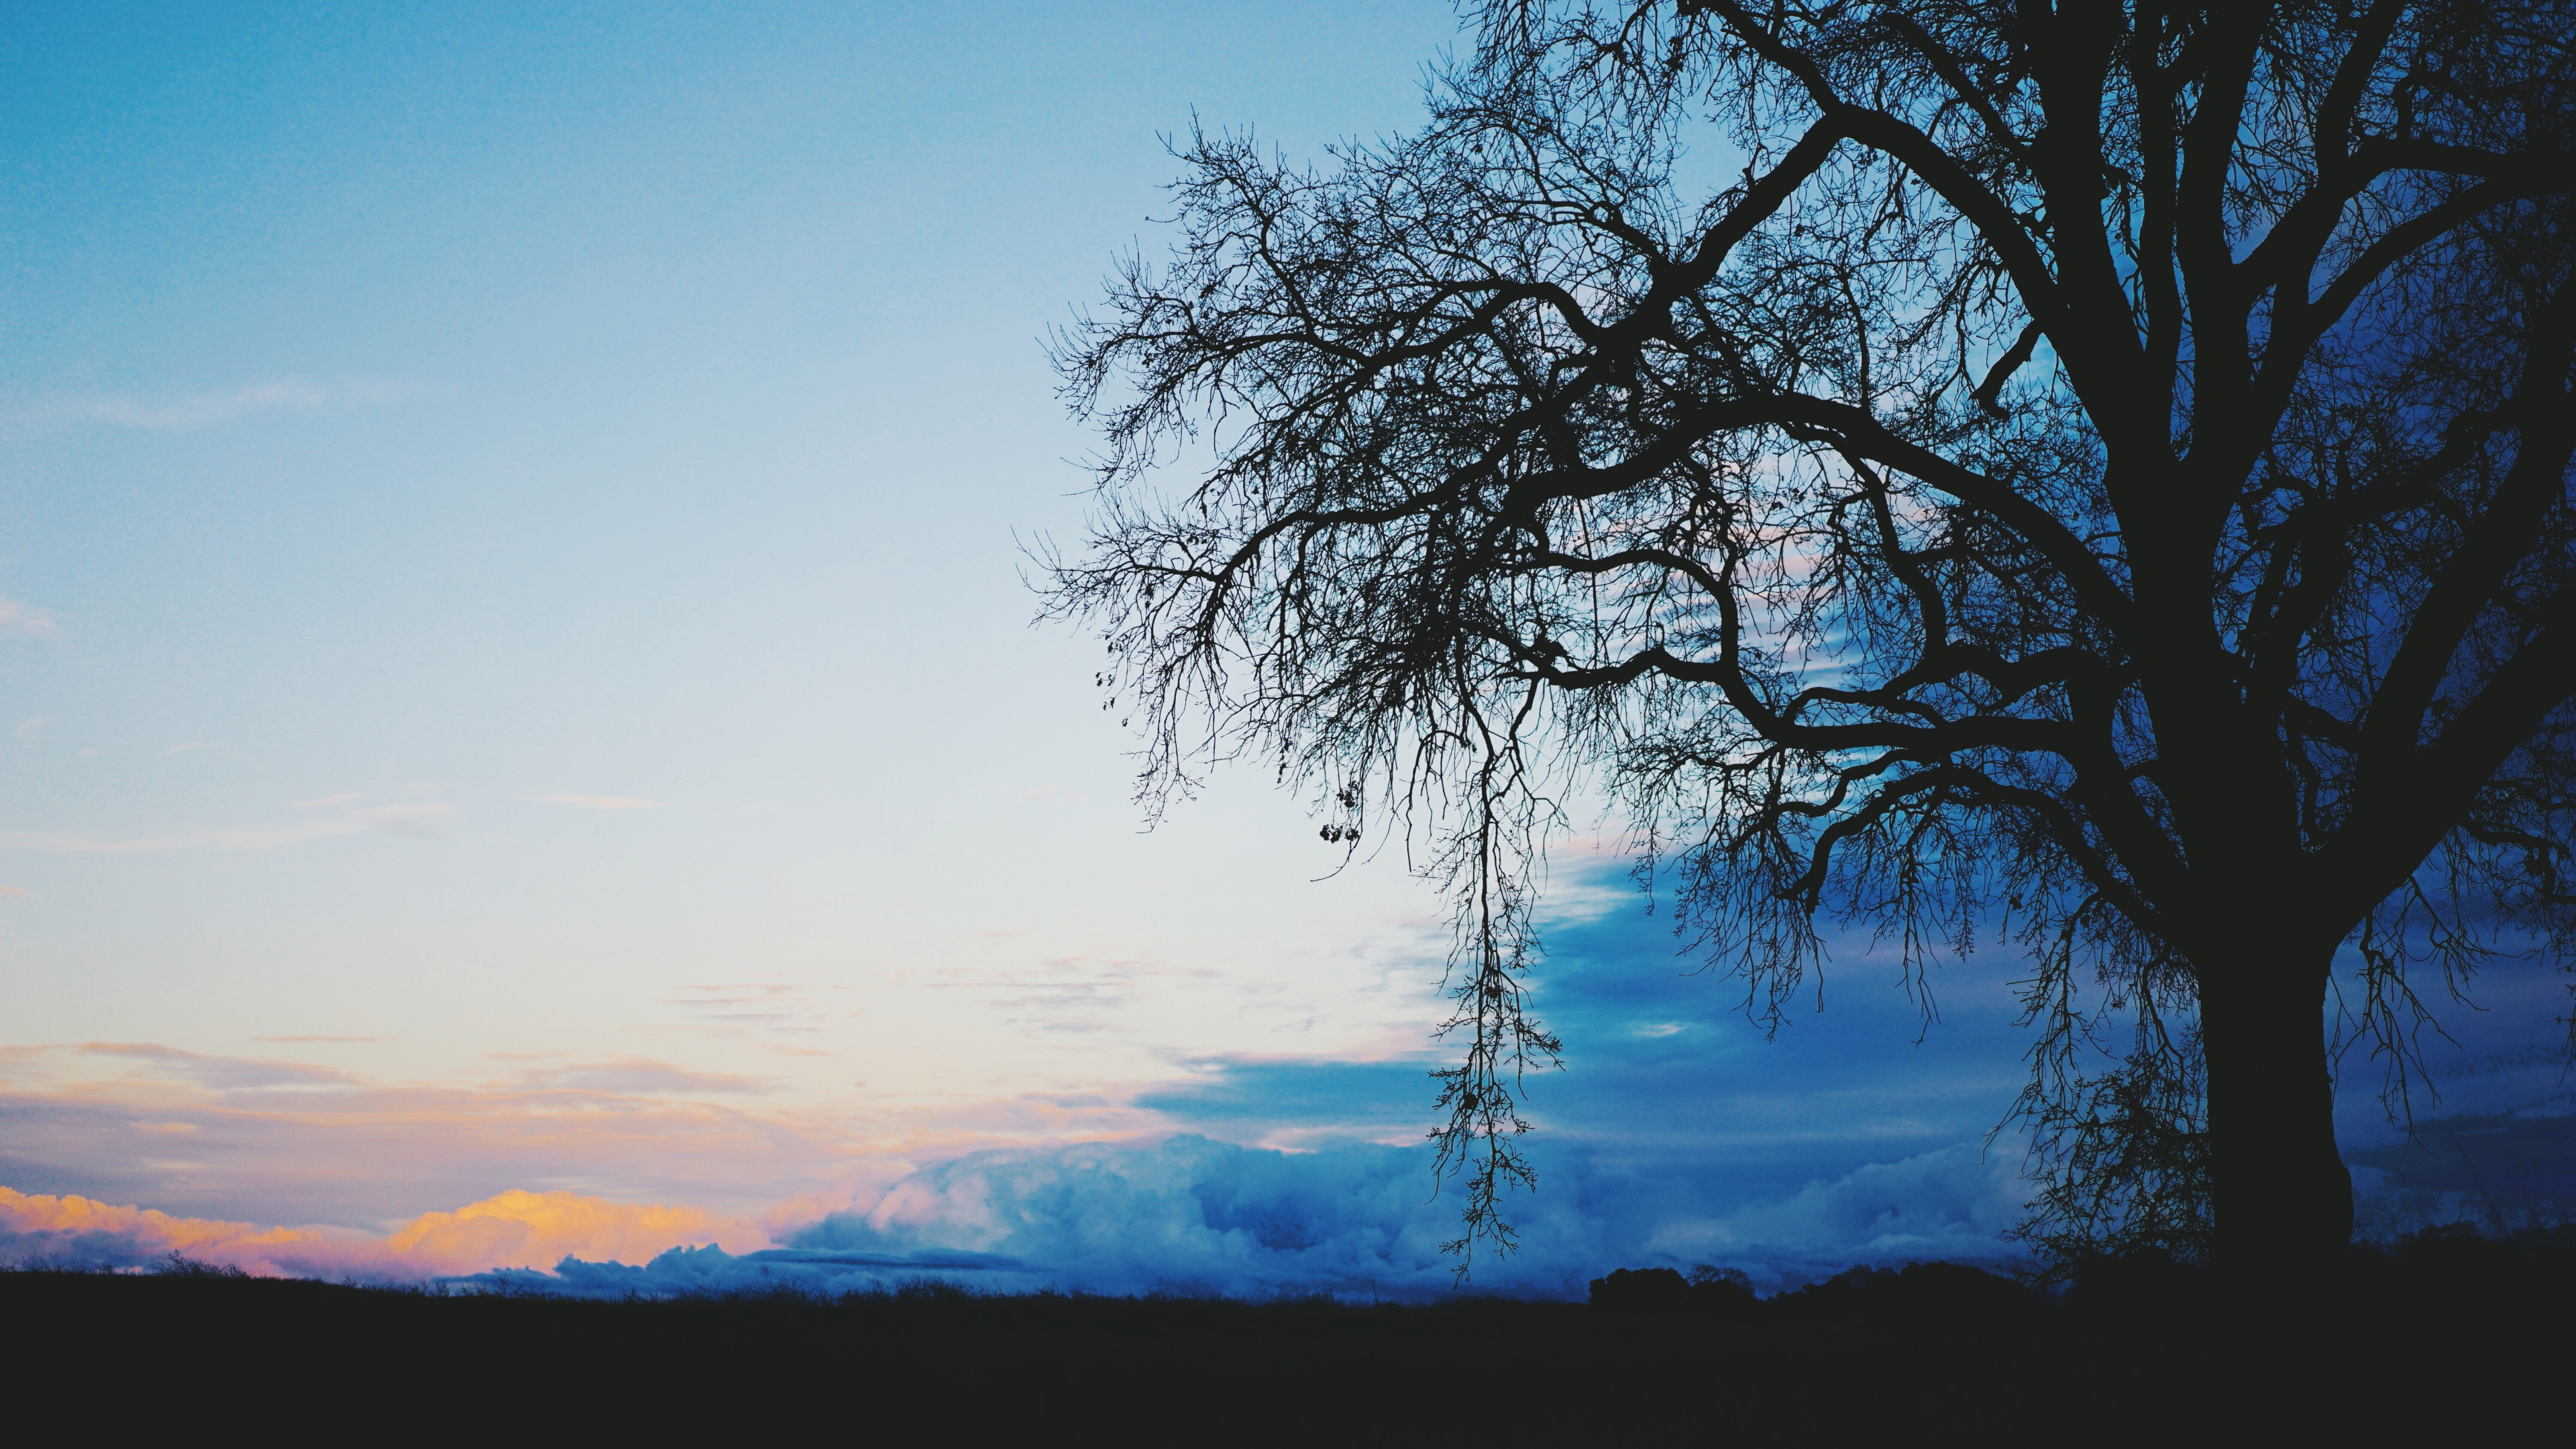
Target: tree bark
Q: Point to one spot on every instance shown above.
(2280, 1193)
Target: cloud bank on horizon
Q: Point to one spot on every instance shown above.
(506, 1230)
(1677, 1136)
(1182, 1214)
(1190, 1215)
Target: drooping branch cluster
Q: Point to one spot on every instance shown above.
(1928, 463)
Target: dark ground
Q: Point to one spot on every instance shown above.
(2469, 1348)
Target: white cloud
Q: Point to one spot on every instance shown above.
(417, 821)
(1954, 1202)
(28, 728)
(26, 621)
(192, 745)
(205, 409)
(601, 802)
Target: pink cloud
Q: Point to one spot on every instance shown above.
(510, 1229)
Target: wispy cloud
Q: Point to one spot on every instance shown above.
(205, 409)
(222, 1074)
(322, 1038)
(194, 745)
(770, 1006)
(600, 802)
(11, 893)
(25, 620)
(298, 1141)
(28, 728)
(642, 1076)
(417, 821)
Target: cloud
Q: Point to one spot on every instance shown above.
(416, 821)
(42, 1228)
(519, 1227)
(515, 1228)
(221, 1073)
(295, 1141)
(601, 802)
(27, 728)
(1295, 1098)
(11, 893)
(26, 622)
(1189, 1214)
(1953, 1203)
(193, 745)
(640, 1075)
(770, 1006)
(322, 1038)
(205, 409)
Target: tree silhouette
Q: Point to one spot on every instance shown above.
(2094, 475)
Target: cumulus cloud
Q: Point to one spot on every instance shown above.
(1188, 1214)
(206, 409)
(1358, 1220)
(1953, 1203)
(537, 1228)
(512, 1229)
(41, 1228)
(1184, 1214)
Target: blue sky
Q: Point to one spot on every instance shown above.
(515, 674)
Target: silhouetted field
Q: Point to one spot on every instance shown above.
(2453, 1336)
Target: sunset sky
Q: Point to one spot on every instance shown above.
(523, 734)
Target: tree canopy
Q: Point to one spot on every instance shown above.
(2091, 477)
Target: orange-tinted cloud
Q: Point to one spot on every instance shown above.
(540, 1229)
(510, 1229)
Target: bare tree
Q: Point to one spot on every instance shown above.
(2095, 474)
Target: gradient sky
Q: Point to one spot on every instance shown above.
(515, 674)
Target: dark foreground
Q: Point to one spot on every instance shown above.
(2468, 1350)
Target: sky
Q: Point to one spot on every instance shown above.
(523, 742)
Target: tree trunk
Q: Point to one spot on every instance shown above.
(2280, 1193)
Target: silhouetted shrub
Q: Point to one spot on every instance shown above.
(1642, 1290)
(2456, 1263)
(1948, 1290)
(1722, 1292)
(2150, 1278)
(180, 1265)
